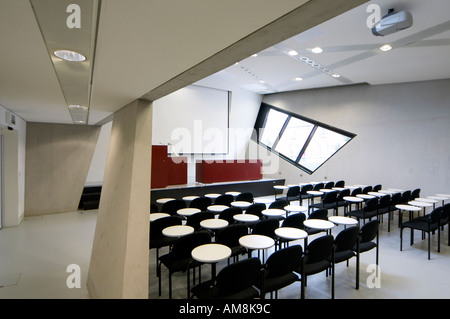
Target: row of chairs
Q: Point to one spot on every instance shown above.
(249, 278)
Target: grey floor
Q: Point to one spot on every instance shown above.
(34, 260)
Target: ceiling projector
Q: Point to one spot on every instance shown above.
(393, 22)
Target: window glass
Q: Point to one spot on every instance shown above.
(294, 137)
(322, 146)
(274, 123)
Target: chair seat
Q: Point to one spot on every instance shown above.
(340, 256)
(204, 291)
(420, 224)
(363, 247)
(163, 241)
(276, 283)
(176, 265)
(362, 214)
(322, 205)
(314, 268)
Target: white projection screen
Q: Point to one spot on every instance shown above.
(192, 120)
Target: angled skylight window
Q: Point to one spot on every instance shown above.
(303, 142)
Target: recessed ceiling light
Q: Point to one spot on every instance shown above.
(262, 81)
(254, 55)
(385, 48)
(298, 79)
(77, 107)
(316, 50)
(292, 53)
(335, 75)
(68, 55)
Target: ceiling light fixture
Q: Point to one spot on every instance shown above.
(385, 48)
(77, 107)
(335, 75)
(292, 53)
(316, 50)
(298, 79)
(69, 55)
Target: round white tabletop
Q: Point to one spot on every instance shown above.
(164, 200)
(318, 224)
(427, 200)
(388, 191)
(341, 220)
(339, 189)
(217, 208)
(211, 253)
(177, 231)
(246, 218)
(377, 194)
(296, 208)
(327, 190)
(188, 211)
(365, 196)
(264, 200)
(314, 193)
(190, 198)
(438, 197)
(212, 195)
(273, 212)
(291, 233)
(353, 199)
(256, 242)
(232, 193)
(241, 204)
(214, 223)
(155, 216)
(420, 204)
(408, 208)
(280, 187)
(444, 195)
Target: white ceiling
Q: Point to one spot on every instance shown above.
(139, 45)
(420, 53)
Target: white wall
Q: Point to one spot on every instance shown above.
(21, 128)
(97, 168)
(402, 134)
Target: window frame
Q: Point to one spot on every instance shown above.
(261, 122)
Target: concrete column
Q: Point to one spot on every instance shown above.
(119, 260)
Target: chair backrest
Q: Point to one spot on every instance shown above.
(305, 188)
(194, 220)
(330, 197)
(183, 246)
(377, 188)
(415, 194)
(343, 193)
(283, 261)
(158, 225)
(435, 215)
(395, 199)
(371, 204)
(367, 189)
(171, 207)
(340, 183)
(347, 238)
(319, 249)
(238, 276)
(229, 236)
(279, 203)
(246, 197)
(319, 214)
(228, 214)
(445, 211)
(329, 185)
(225, 199)
(201, 203)
(154, 208)
(319, 186)
(384, 201)
(369, 231)
(266, 227)
(256, 209)
(293, 191)
(356, 191)
(295, 221)
(406, 196)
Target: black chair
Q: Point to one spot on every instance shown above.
(377, 188)
(406, 197)
(304, 192)
(179, 258)
(228, 214)
(292, 194)
(329, 201)
(340, 183)
(344, 243)
(154, 208)
(428, 224)
(245, 197)
(294, 221)
(319, 256)
(369, 210)
(266, 227)
(278, 271)
(171, 207)
(201, 203)
(235, 281)
(383, 208)
(415, 194)
(367, 234)
(317, 214)
(157, 239)
(367, 189)
(229, 236)
(328, 185)
(279, 204)
(395, 200)
(195, 219)
(340, 200)
(256, 209)
(356, 191)
(225, 199)
(444, 220)
(319, 186)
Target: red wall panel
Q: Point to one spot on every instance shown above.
(207, 172)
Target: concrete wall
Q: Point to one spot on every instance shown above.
(402, 134)
(58, 157)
